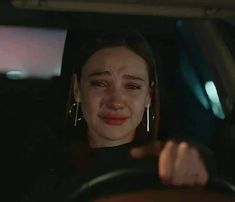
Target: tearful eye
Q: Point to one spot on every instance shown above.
(99, 83)
(133, 86)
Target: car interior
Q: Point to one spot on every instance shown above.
(194, 45)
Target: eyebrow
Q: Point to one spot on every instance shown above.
(126, 76)
(99, 73)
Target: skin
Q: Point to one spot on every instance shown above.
(115, 84)
(114, 92)
(178, 164)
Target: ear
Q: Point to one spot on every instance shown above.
(76, 91)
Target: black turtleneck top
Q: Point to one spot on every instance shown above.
(57, 183)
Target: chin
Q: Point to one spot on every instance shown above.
(123, 138)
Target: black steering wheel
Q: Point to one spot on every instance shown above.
(131, 179)
(117, 181)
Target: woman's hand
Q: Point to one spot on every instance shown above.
(179, 163)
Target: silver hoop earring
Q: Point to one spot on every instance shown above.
(147, 119)
(74, 111)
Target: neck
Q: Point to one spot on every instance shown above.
(99, 141)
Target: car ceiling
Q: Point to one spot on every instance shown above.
(173, 8)
(10, 15)
(46, 13)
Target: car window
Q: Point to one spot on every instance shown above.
(31, 52)
(30, 68)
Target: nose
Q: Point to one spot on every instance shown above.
(115, 100)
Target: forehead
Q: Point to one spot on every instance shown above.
(116, 59)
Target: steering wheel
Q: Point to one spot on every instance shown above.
(133, 180)
(117, 181)
(127, 180)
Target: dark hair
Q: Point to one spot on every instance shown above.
(133, 40)
(137, 43)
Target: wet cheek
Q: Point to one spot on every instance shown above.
(138, 108)
(91, 104)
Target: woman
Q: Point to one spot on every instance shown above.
(116, 114)
(115, 82)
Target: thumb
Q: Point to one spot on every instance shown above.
(152, 149)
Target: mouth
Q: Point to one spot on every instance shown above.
(113, 119)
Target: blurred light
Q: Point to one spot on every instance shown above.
(191, 78)
(37, 51)
(214, 99)
(179, 23)
(57, 71)
(16, 74)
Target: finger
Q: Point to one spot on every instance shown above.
(202, 176)
(189, 168)
(166, 161)
(185, 179)
(202, 179)
(199, 169)
(183, 166)
(147, 150)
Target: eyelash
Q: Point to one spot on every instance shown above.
(99, 83)
(133, 87)
(129, 86)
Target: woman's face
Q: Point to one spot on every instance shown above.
(113, 91)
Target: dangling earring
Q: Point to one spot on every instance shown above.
(147, 119)
(75, 106)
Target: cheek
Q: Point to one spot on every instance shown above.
(137, 107)
(90, 104)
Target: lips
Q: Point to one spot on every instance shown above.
(114, 119)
